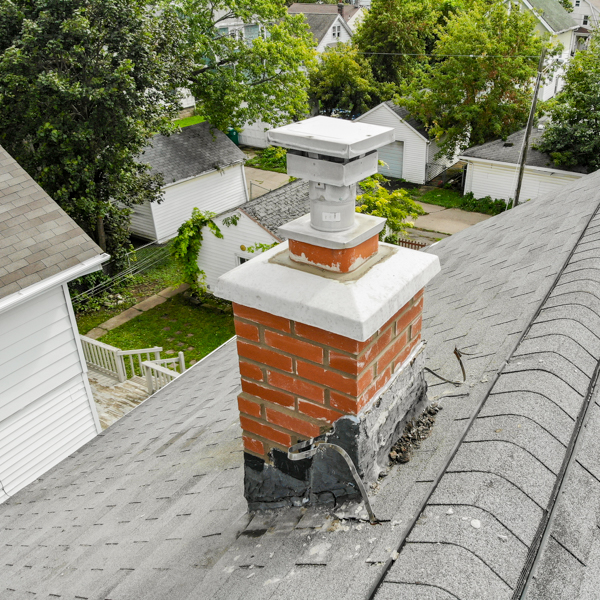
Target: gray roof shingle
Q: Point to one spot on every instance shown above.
(153, 507)
(408, 118)
(196, 149)
(319, 24)
(37, 237)
(554, 14)
(509, 151)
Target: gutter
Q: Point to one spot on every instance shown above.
(87, 266)
(516, 165)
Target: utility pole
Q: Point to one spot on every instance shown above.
(525, 147)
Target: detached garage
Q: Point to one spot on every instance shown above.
(202, 168)
(412, 155)
(492, 169)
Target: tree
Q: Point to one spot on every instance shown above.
(573, 135)
(478, 85)
(394, 36)
(343, 83)
(396, 207)
(235, 79)
(84, 84)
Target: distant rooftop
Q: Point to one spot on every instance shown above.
(554, 14)
(509, 151)
(403, 113)
(323, 9)
(194, 150)
(319, 24)
(37, 237)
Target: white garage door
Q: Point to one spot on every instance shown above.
(392, 155)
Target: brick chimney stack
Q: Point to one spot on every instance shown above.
(329, 327)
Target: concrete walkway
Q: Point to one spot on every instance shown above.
(135, 311)
(261, 182)
(447, 220)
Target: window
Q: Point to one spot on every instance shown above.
(222, 31)
(577, 2)
(337, 30)
(251, 32)
(585, 19)
(240, 260)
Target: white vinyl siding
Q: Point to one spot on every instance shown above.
(392, 155)
(45, 411)
(255, 135)
(142, 222)
(217, 256)
(415, 146)
(332, 37)
(499, 181)
(215, 192)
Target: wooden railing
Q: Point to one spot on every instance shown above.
(135, 367)
(160, 372)
(103, 357)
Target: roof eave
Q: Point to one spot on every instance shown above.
(84, 268)
(508, 164)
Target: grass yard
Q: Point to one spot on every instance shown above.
(270, 159)
(137, 288)
(453, 199)
(176, 326)
(187, 121)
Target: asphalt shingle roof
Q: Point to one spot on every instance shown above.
(194, 150)
(331, 9)
(319, 24)
(403, 113)
(554, 14)
(153, 507)
(280, 206)
(37, 237)
(509, 151)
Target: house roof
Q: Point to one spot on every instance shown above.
(403, 113)
(195, 150)
(554, 14)
(153, 507)
(37, 237)
(280, 206)
(509, 151)
(348, 10)
(320, 24)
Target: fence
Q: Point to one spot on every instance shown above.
(412, 244)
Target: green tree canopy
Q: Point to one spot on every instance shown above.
(573, 136)
(343, 83)
(249, 60)
(83, 85)
(395, 35)
(479, 86)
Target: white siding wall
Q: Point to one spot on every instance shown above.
(415, 147)
(499, 181)
(255, 135)
(45, 411)
(329, 39)
(217, 256)
(215, 192)
(142, 223)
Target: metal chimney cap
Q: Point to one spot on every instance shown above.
(331, 137)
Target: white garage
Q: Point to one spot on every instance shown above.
(393, 157)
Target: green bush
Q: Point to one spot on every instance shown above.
(270, 159)
(486, 205)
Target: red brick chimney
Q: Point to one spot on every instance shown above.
(329, 328)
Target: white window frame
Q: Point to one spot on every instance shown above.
(337, 31)
(586, 19)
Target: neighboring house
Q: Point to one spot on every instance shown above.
(352, 14)
(586, 13)
(202, 168)
(555, 21)
(154, 507)
(492, 169)
(328, 28)
(412, 155)
(258, 224)
(46, 407)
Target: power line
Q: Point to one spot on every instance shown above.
(450, 55)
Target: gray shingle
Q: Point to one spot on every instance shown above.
(412, 121)
(554, 14)
(27, 244)
(194, 150)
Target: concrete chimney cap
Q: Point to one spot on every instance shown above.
(332, 137)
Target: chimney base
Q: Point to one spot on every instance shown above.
(325, 479)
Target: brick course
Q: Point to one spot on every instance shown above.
(297, 379)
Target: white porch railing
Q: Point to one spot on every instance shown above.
(124, 364)
(160, 372)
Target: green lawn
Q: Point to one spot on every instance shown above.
(440, 197)
(177, 326)
(453, 199)
(189, 121)
(270, 159)
(137, 288)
